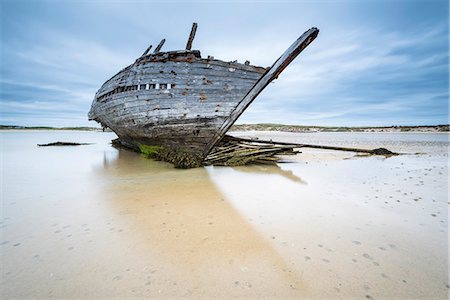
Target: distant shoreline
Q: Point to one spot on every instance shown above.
(301, 128)
(271, 127)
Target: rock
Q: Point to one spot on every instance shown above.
(383, 151)
(63, 144)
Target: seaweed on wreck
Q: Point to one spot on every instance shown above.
(180, 159)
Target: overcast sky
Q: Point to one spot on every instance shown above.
(373, 63)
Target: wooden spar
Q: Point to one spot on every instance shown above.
(147, 51)
(191, 36)
(280, 64)
(159, 46)
(378, 151)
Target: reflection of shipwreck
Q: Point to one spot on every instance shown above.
(177, 106)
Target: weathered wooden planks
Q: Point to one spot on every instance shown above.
(184, 104)
(202, 94)
(232, 151)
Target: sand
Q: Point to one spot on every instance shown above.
(95, 222)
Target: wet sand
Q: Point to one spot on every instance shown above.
(96, 222)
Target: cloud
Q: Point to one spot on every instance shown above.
(368, 65)
(54, 79)
(382, 74)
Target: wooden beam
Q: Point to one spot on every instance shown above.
(377, 151)
(159, 46)
(191, 36)
(147, 51)
(280, 64)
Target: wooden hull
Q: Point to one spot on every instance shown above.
(178, 105)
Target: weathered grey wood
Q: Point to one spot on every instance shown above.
(234, 151)
(147, 50)
(176, 98)
(282, 62)
(159, 46)
(221, 88)
(191, 36)
(181, 101)
(184, 74)
(204, 95)
(378, 151)
(185, 57)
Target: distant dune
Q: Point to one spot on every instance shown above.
(300, 128)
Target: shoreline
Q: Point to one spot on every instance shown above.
(268, 128)
(236, 131)
(353, 132)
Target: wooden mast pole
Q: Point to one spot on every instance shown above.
(159, 46)
(191, 36)
(147, 51)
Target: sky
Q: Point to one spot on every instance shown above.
(374, 63)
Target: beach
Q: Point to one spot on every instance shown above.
(93, 221)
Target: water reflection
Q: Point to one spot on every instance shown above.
(271, 170)
(181, 221)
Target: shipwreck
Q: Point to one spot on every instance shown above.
(177, 106)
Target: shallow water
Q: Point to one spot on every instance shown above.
(93, 221)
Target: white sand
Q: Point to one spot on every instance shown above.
(94, 222)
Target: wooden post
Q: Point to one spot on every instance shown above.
(191, 36)
(159, 46)
(147, 51)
